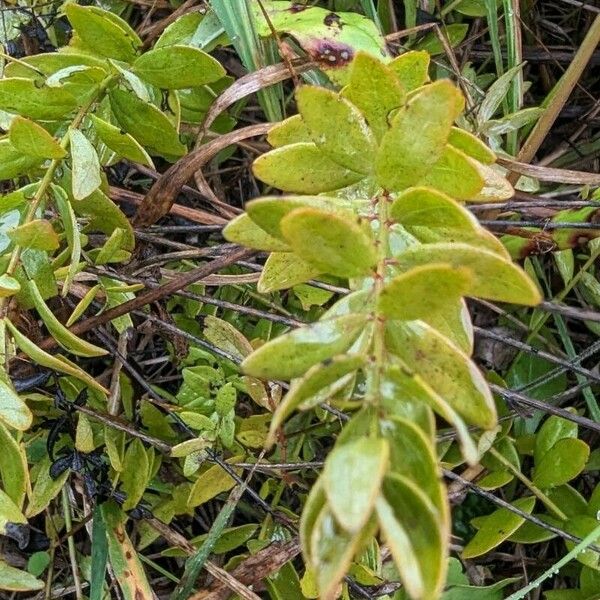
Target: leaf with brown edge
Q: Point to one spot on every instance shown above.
(332, 243)
(423, 290)
(412, 69)
(123, 557)
(494, 277)
(291, 354)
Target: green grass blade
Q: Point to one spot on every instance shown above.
(99, 555)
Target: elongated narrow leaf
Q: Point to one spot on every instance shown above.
(69, 341)
(177, 67)
(30, 138)
(292, 354)
(302, 168)
(86, 165)
(45, 489)
(424, 290)
(128, 568)
(13, 410)
(135, 474)
(338, 128)
(303, 391)
(55, 363)
(445, 368)
(103, 32)
(494, 277)
(122, 143)
(375, 90)
(332, 243)
(282, 270)
(497, 527)
(416, 537)
(352, 477)
(417, 136)
(99, 554)
(13, 467)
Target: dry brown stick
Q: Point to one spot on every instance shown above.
(159, 200)
(550, 174)
(154, 294)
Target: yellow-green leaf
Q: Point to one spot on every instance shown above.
(103, 32)
(45, 489)
(244, 231)
(176, 67)
(120, 142)
(30, 138)
(53, 362)
(282, 270)
(472, 146)
(15, 580)
(417, 136)
(23, 97)
(332, 243)
(135, 474)
(445, 368)
(494, 277)
(412, 69)
(289, 131)
(13, 467)
(375, 90)
(423, 290)
(338, 128)
(497, 527)
(211, 483)
(352, 478)
(38, 234)
(302, 168)
(85, 176)
(455, 174)
(292, 354)
(13, 410)
(416, 536)
(67, 340)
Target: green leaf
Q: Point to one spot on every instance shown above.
(135, 474)
(13, 467)
(283, 270)
(352, 477)
(11, 516)
(582, 526)
(455, 33)
(15, 580)
(529, 533)
(289, 131)
(497, 527)
(211, 483)
(37, 563)
(554, 429)
(562, 463)
(412, 69)
(148, 125)
(494, 277)
(103, 32)
(417, 136)
(99, 554)
(292, 354)
(244, 231)
(454, 322)
(415, 535)
(13, 410)
(304, 392)
(338, 128)
(302, 168)
(177, 67)
(471, 145)
(375, 90)
(38, 234)
(13, 162)
(423, 290)
(53, 362)
(30, 138)
(85, 165)
(445, 368)
(45, 489)
(455, 174)
(226, 337)
(412, 455)
(332, 243)
(23, 97)
(123, 556)
(67, 340)
(120, 142)
(496, 94)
